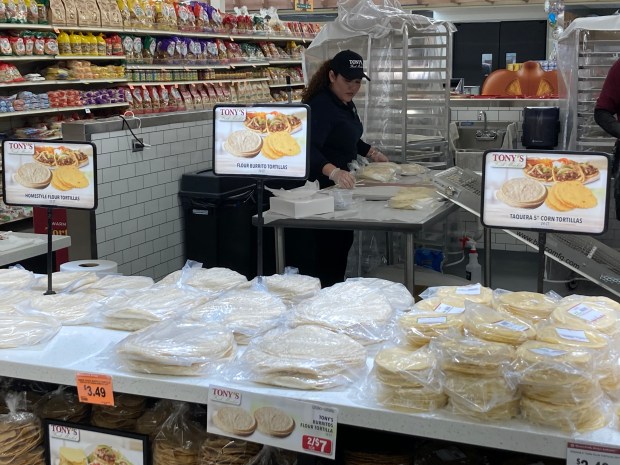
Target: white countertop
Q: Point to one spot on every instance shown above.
(33, 245)
(85, 349)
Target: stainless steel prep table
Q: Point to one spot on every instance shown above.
(360, 222)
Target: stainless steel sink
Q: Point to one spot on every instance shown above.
(474, 139)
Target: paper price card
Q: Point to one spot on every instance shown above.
(591, 454)
(95, 389)
(276, 421)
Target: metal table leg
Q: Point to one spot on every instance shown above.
(409, 263)
(279, 238)
(487, 257)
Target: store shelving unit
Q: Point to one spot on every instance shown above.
(64, 82)
(587, 54)
(86, 108)
(408, 112)
(200, 81)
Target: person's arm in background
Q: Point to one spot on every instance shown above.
(372, 153)
(608, 102)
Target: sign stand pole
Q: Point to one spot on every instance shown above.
(259, 233)
(542, 245)
(50, 256)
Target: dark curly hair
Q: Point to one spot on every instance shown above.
(319, 81)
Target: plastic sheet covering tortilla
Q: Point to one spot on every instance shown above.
(306, 357)
(585, 299)
(498, 412)
(576, 418)
(177, 348)
(133, 310)
(15, 278)
(291, 288)
(66, 281)
(63, 404)
(21, 434)
(485, 323)
(70, 309)
(479, 394)
(556, 373)
(10, 298)
(113, 282)
(473, 292)
(350, 308)
(206, 279)
(179, 440)
(401, 367)
(410, 399)
(421, 328)
(123, 415)
(246, 312)
(597, 315)
(153, 418)
(220, 450)
(20, 328)
(381, 172)
(530, 306)
(470, 355)
(397, 294)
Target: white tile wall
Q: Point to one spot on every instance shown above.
(139, 220)
(501, 240)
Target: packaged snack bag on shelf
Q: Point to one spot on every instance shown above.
(215, 19)
(212, 93)
(201, 16)
(88, 13)
(71, 17)
(138, 101)
(123, 6)
(149, 14)
(137, 16)
(176, 100)
(155, 99)
(3, 17)
(22, 442)
(179, 440)
(186, 21)
(212, 52)
(204, 96)
(17, 46)
(57, 13)
(62, 404)
(5, 46)
(32, 15)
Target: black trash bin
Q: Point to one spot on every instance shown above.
(218, 215)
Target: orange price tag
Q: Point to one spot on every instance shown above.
(232, 39)
(95, 389)
(162, 86)
(56, 30)
(130, 86)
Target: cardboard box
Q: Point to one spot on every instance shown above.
(302, 208)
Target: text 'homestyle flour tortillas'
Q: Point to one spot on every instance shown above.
(306, 357)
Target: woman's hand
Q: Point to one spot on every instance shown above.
(342, 178)
(375, 155)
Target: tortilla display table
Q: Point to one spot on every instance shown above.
(28, 245)
(366, 216)
(58, 362)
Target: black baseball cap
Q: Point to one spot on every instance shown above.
(349, 64)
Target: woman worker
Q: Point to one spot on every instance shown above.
(335, 133)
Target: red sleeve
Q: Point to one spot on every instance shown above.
(609, 99)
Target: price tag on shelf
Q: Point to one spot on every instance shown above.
(95, 389)
(591, 454)
(87, 111)
(176, 86)
(303, 426)
(143, 87)
(56, 30)
(130, 86)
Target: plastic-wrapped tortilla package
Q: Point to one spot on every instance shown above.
(21, 435)
(420, 328)
(575, 419)
(468, 355)
(306, 357)
(14, 298)
(381, 172)
(112, 283)
(220, 450)
(292, 288)
(123, 415)
(488, 324)
(598, 342)
(206, 279)
(177, 348)
(439, 305)
(66, 281)
(77, 308)
(407, 380)
(179, 440)
(412, 169)
(414, 198)
(131, 311)
(487, 398)
(397, 294)
(586, 299)
(16, 278)
(19, 328)
(556, 373)
(349, 308)
(154, 417)
(596, 315)
(459, 294)
(63, 404)
(610, 380)
(246, 312)
(529, 306)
